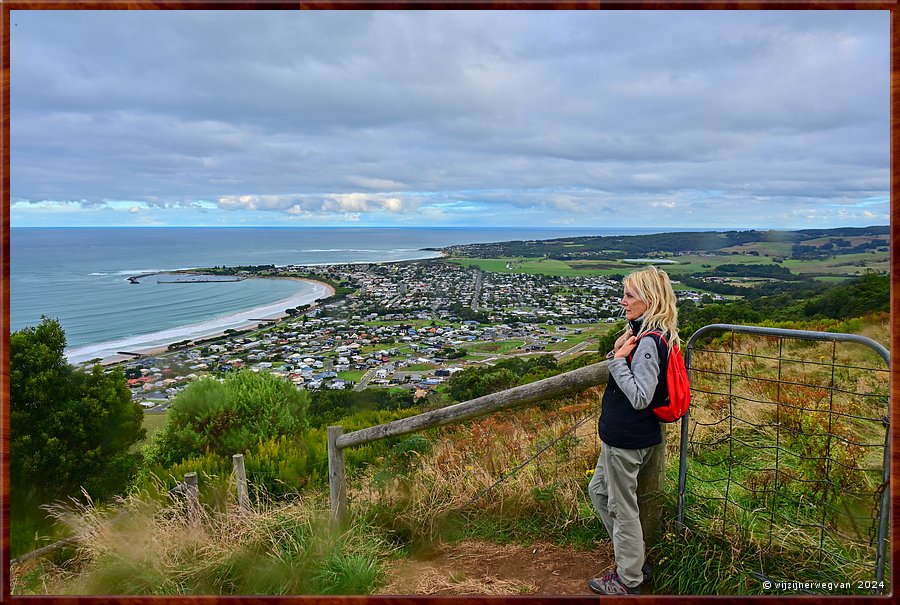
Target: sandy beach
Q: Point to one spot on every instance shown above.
(148, 345)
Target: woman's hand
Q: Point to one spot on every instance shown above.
(622, 339)
(626, 348)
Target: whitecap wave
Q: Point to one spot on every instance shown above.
(341, 250)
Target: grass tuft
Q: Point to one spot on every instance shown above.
(148, 546)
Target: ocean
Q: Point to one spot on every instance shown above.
(80, 275)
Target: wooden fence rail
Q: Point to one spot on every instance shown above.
(548, 388)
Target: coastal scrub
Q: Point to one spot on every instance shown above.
(230, 417)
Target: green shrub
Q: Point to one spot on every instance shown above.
(477, 381)
(278, 466)
(229, 418)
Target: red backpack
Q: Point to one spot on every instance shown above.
(676, 404)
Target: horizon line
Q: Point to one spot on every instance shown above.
(567, 228)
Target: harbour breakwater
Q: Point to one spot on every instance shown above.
(188, 279)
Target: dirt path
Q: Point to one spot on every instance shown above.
(482, 568)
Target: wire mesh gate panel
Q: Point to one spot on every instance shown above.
(786, 450)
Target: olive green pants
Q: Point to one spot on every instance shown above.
(613, 491)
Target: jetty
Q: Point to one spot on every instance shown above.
(194, 279)
(203, 280)
(134, 278)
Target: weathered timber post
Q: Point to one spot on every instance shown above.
(337, 482)
(650, 491)
(240, 474)
(192, 491)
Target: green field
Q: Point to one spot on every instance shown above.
(557, 347)
(419, 367)
(352, 376)
(537, 266)
(498, 347)
(841, 265)
(700, 264)
(844, 264)
(678, 287)
(153, 423)
(588, 332)
(780, 249)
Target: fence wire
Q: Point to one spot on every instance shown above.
(786, 449)
(530, 463)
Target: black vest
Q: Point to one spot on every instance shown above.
(621, 425)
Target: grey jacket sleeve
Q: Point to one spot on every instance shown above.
(639, 382)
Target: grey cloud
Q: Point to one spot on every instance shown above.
(171, 108)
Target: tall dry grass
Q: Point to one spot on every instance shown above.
(466, 479)
(145, 545)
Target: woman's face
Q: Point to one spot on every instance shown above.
(634, 307)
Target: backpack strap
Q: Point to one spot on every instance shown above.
(658, 333)
(664, 341)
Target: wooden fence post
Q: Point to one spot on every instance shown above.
(336, 479)
(240, 473)
(650, 491)
(192, 492)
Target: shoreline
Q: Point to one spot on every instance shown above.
(214, 330)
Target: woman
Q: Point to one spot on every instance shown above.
(628, 427)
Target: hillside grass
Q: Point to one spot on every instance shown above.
(442, 486)
(152, 423)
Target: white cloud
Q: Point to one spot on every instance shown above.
(355, 204)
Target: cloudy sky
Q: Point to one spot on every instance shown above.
(531, 118)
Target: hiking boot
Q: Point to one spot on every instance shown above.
(647, 570)
(612, 584)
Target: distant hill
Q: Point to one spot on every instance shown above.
(801, 244)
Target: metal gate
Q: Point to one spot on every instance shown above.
(788, 449)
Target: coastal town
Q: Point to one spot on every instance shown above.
(406, 324)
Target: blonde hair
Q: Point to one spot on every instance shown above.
(653, 287)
